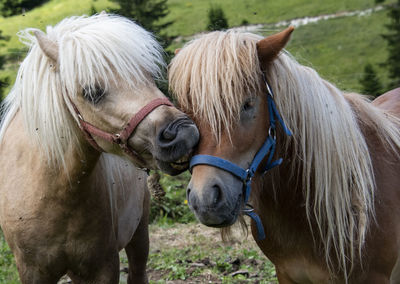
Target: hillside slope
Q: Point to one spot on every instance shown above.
(338, 48)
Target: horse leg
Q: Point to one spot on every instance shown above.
(37, 275)
(137, 249)
(106, 272)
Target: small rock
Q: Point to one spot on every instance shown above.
(241, 272)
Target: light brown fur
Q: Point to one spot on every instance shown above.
(56, 225)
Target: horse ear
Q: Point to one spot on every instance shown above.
(269, 47)
(48, 46)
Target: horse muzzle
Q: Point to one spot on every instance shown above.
(215, 204)
(174, 145)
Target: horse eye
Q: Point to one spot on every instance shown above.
(248, 105)
(93, 95)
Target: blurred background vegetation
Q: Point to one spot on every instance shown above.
(352, 43)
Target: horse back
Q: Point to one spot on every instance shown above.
(389, 101)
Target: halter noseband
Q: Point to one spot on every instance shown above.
(246, 175)
(121, 138)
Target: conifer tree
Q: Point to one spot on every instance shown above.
(370, 82)
(14, 7)
(216, 19)
(147, 13)
(393, 39)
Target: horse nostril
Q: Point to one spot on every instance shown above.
(192, 199)
(215, 194)
(169, 133)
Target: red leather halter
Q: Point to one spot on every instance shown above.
(89, 130)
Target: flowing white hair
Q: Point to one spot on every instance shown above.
(91, 51)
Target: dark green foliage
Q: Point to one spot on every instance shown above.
(147, 13)
(379, 1)
(93, 10)
(3, 81)
(370, 82)
(172, 208)
(216, 19)
(14, 7)
(393, 39)
(244, 22)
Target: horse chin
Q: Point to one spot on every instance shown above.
(176, 167)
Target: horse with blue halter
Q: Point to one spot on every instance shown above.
(315, 168)
(80, 127)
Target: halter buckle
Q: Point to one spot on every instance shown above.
(117, 139)
(272, 132)
(248, 208)
(248, 178)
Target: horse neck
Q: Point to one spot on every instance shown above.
(73, 175)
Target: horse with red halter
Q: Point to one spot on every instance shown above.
(82, 121)
(317, 169)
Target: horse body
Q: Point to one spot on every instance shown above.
(329, 210)
(290, 245)
(71, 197)
(56, 224)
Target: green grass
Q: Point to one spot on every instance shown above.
(48, 14)
(173, 206)
(340, 48)
(191, 16)
(8, 270)
(219, 261)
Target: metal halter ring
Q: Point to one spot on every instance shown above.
(272, 132)
(248, 208)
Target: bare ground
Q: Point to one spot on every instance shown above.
(194, 253)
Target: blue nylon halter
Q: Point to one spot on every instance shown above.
(246, 175)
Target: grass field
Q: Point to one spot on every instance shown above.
(338, 48)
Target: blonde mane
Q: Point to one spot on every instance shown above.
(328, 145)
(214, 89)
(92, 50)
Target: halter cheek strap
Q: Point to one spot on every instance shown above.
(121, 138)
(267, 150)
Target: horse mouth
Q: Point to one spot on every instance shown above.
(182, 163)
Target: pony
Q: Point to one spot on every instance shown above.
(329, 210)
(81, 127)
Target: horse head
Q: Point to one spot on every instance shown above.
(233, 113)
(99, 73)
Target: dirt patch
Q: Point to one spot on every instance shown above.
(194, 253)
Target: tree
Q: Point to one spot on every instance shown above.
(216, 19)
(393, 39)
(370, 82)
(147, 13)
(14, 7)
